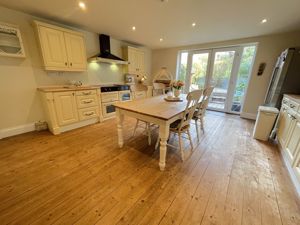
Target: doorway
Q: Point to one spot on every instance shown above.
(227, 69)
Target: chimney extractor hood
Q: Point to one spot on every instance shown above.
(105, 55)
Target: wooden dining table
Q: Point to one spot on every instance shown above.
(154, 110)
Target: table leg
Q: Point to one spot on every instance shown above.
(163, 135)
(120, 119)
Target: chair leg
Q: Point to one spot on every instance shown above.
(201, 121)
(197, 129)
(157, 142)
(190, 138)
(148, 133)
(136, 125)
(180, 146)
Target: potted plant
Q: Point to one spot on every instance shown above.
(177, 86)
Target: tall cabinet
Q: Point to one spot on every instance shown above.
(62, 49)
(136, 59)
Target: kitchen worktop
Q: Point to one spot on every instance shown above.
(67, 88)
(295, 98)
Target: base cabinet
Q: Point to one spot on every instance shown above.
(288, 136)
(67, 110)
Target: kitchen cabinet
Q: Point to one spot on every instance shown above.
(66, 108)
(136, 59)
(284, 125)
(293, 140)
(288, 136)
(72, 108)
(62, 49)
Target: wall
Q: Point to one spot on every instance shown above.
(269, 47)
(19, 78)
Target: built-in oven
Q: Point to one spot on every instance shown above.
(111, 95)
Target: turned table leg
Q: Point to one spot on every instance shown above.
(120, 119)
(163, 135)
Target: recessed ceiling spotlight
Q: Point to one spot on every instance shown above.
(82, 5)
(161, 39)
(133, 28)
(193, 24)
(264, 21)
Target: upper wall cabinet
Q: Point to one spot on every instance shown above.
(136, 60)
(62, 49)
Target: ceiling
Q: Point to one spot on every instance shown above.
(216, 20)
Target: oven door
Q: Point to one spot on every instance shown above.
(108, 109)
(124, 96)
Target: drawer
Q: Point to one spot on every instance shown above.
(293, 105)
(86, 92)
(110, 97)
(285, 101)
(88, 113)
(84, 101)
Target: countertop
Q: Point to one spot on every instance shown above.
(295, 98)
(67, 88)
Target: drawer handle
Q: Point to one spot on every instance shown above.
(87, 102)
(89, 114)
(86, 93)
(292, 106)
(291, 116)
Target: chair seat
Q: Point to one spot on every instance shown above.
(174, 126)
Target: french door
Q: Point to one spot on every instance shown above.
(219, 68)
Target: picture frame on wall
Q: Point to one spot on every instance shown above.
(11, 43)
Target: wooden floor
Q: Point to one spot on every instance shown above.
(82, 177)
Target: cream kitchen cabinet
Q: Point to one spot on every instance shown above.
(136, 59)
(69, 109)
(65, 107)
(288, 136)
(292, 143)
(62, 49)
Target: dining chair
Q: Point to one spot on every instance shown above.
(201, 109)
(182, 126)
(158, 89)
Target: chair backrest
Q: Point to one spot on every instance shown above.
(158, 89)
(205, 100)
(192, 103)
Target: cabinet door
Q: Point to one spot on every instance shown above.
(284, 125)
(140, 58)
(293, 140)
(53, 48)
(75, 51)
(66, 108)
(132, 59)
(296, 165)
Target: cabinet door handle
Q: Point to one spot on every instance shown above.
(87, 102)
(89, 114)
(292, 106)
(71, 64)
(66, 63)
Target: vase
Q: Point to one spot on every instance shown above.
(176, 93)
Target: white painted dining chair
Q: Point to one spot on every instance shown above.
(201, 109)
(158, 89)
(182, 126)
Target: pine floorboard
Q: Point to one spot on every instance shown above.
(82, 177)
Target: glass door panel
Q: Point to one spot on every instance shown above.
(242, 78)
(220, 78)
(199, 70)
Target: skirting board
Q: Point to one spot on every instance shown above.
(8, 132)
(251, 116)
